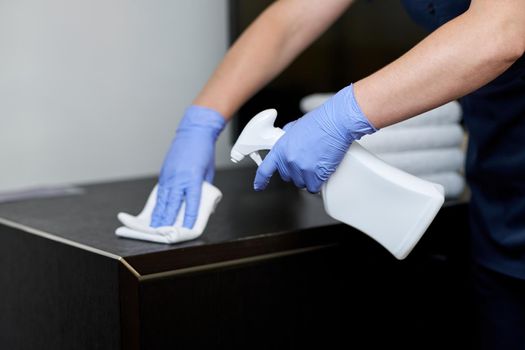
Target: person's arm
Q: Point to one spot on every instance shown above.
(458, 58)
(461, 56)
(267, 46)
(262, 52)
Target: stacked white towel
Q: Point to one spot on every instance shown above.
(407, 139)
(428, 145)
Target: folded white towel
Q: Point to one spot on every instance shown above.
(426, 161)
(449, 113)
(453, 182)
(138, 227)
(313, 101)
(416, 138)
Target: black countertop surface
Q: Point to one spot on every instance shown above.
(245, 224)
(90, 219)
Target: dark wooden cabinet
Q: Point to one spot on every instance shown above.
(271, 271)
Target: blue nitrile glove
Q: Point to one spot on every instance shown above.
(314, 145)
(189, 162)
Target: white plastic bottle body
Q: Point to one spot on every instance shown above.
(391, 206)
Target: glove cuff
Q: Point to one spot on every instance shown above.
(353, 119)
(202, 118)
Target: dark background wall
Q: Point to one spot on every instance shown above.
(368, 36)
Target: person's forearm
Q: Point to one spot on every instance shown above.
(265, 49)
(458, 58)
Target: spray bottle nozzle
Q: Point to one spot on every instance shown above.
(259, 134)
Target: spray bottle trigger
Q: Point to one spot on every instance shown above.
(256, 158)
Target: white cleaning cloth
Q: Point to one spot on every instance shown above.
(454, 183)
(138, 227)
(406, 139)
(426, 161)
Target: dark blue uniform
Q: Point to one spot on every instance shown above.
(495, 168)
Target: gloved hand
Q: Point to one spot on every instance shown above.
(189, 162)
(314, 145)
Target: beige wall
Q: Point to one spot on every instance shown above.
(93, 90)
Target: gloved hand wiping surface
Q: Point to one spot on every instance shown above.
(189, 162)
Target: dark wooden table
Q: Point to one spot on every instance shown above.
(271, 271)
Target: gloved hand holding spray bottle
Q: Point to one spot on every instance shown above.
(318, 151)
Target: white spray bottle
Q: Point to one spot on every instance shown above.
(391, 206)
